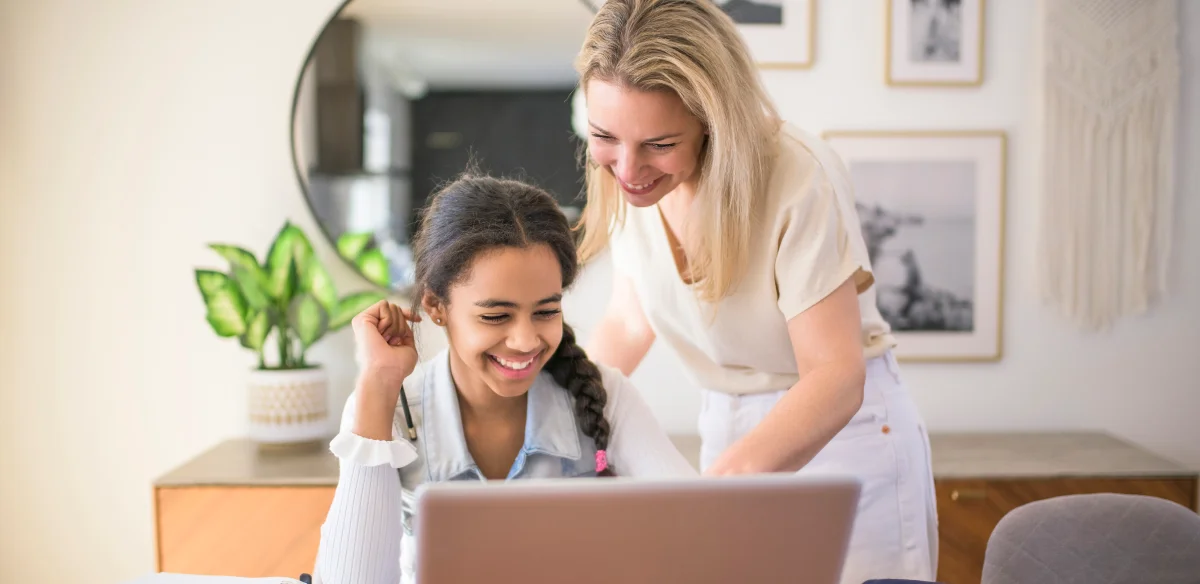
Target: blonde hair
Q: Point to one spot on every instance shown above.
(691, 48)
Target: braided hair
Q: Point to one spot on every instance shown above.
(478, 213)
(571, 368)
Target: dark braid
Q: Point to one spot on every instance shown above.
(478, 213)
(571, 368)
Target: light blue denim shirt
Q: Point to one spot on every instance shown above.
(357, 547)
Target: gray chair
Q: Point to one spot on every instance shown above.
(1102, 538)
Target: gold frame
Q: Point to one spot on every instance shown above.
(1002, 135)
(887, 44)
(812, 47)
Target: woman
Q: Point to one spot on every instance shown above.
(735, 241)
(512, 397)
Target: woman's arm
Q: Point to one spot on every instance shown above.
(623, 336)
(360, 539)
(638, 445)
(826, 339)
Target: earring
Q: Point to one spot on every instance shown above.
(437, 320)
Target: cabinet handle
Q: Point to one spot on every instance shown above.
(972, 494)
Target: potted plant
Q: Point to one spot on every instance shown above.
(280, 307)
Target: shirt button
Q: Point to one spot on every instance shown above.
(886, 429)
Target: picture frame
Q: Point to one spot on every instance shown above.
(931, 205)
(781, 34)
(935, 42)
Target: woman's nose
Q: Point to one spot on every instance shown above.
(628, 166)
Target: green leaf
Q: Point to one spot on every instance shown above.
(351, 245)
(308, 319)
(374, 267)
(350, 306)
(318, 283)
(226, 309)
(253, 285)
(237, 256)
(250, 276)
(209, 281)
(255, 335)
(290, 250)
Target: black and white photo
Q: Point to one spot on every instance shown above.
(935, 42)
(930, 206)
(779, 33)
(918, 219)
(935, 32)
(753, 11)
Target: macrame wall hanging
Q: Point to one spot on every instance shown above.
(1111, 92)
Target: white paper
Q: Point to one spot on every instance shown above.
(170, 578)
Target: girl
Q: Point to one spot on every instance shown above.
(512, 397)
(735, 240)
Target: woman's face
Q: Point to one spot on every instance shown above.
(647, 140)
(505, 320)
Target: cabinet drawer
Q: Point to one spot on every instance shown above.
(968, 511)
(250, 532)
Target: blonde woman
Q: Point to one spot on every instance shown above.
(735, 241)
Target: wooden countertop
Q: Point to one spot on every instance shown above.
(1045, 455)
(955, 456)
(241, 462)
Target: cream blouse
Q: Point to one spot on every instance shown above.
(808, 244)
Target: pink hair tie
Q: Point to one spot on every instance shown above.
(601, 460)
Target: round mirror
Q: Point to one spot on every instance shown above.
(397, 97)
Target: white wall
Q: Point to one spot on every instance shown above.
(132, 121)
(133, 133)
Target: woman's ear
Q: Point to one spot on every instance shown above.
(434, 308)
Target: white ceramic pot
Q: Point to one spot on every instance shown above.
(288, 407)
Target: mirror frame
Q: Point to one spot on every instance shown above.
(405, 290)
(302, 182)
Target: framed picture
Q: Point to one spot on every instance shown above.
(935, 42)
(931, 207)
(779, 33)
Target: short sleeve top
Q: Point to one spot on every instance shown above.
(809, 241)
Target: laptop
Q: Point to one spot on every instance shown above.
(760, 529)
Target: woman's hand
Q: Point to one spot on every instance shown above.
(386, 352)
(742, 457)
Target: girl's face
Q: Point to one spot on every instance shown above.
(504, 321)
(647, 140)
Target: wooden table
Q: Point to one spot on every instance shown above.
(234, 510)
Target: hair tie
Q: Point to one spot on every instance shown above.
(601, 460)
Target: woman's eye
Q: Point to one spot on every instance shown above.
(663, 147)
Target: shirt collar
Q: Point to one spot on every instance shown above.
(550, 426)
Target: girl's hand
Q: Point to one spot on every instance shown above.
(387, 354)
(384, 345)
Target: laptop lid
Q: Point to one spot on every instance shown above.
(767, 528)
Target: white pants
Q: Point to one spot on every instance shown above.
(885, 445)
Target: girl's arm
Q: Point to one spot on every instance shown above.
(638, 445)
(360, 539)
(623, 336)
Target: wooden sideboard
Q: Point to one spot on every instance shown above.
(238, 511)
(981, 477)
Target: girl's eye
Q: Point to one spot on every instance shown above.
(493, 318)
(547, 314)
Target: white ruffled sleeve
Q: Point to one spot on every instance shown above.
(352, 448)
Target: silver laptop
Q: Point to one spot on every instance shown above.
(761, 529)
